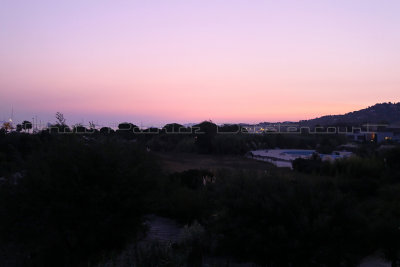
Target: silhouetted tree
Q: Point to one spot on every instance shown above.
(106, 130)
(79, 128)
(92, 125)
(27, 125)
(19, 128)
(204, 134)
(174, 128)
(127, 126)
(60, 125)
(60, 119)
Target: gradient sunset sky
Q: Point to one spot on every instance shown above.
(154, 62)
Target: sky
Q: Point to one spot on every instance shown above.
(156, 61)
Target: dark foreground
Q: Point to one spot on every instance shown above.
(66, 200)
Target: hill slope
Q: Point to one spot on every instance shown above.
(387, 113)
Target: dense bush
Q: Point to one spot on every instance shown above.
(75, 200)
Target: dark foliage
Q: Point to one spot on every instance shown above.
(73, 199)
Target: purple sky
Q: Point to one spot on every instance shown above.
(186, 61)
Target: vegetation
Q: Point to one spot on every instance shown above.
(382, 113)
(26, 125)
(65, 200)
(81, 199)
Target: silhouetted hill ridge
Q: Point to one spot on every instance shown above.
(385, 113)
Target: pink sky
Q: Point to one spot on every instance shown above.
(186, 61)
